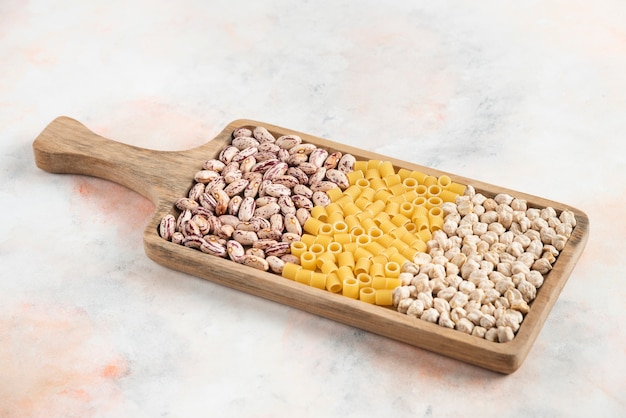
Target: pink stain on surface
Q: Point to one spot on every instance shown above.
(55, 363)
(110, 203)
(154, 124)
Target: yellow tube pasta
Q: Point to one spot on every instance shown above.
(325, 229)
(298, 247)
(400, 258)
(421, 190)
(420, 209)
(419, 176)
(425, 235)
(352, 221)
(334, 248)
(362, 182)
(444, 181)
(387, 226)
(334, 194)
(340, 227)
(333, 207)
(404, 173)
(392, 269)
(350, 247)
(392, 283)
(397, 189)
(363, 252)
(385, 240)
(349, 209)
(304, 276)
(400, 219)
(343, 239)
(433, 190)
(318, 280)
(308, 239)
(384, 297)
(333, 284)
(361, 216)
(354, 176)
(353, 192)
(345, 272)
(386, 169)
(433, 201)
(317, 249)
(377, 269)
(375, 233)
(420, 244)
(382, 195)
(379, 282)
(448, 196)
(457, 188)
(312, 225)
(409, 183)
(429, 180)
(400, 245)
(346, 259)
(375, 207)
(421, 223)
(435, 218)
(368, 193)
(371, 174)
(377, 184)
(362, 202)
(333, 217)
(319, 212)
(381, 217)
(392, 208)
(290, 270)
(343, 200)
(410, 252)
(374, 164)
(327, 265)
(363, 240)
(409, 196)
(351, 288)
(308, 260)
(367, 295)
(374, 248)
(388, 252)
(379, 259)
(364, 279)
(400, 231)
(322, 240)
(362, 265)
(367, 224)
(399, 199)
(360, 165)
(408, 239)
(324, 257)
(391, 179)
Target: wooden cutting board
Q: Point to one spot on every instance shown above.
(67, 146)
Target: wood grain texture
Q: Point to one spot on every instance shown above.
(67, 146)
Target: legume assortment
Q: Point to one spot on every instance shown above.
(430, 248)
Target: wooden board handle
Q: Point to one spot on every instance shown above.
(67, 146)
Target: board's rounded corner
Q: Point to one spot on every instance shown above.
(237, 123)
(513, 363)
(582, 217)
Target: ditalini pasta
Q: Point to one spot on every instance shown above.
(358, 243)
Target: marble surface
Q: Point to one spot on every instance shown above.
(526, 95)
